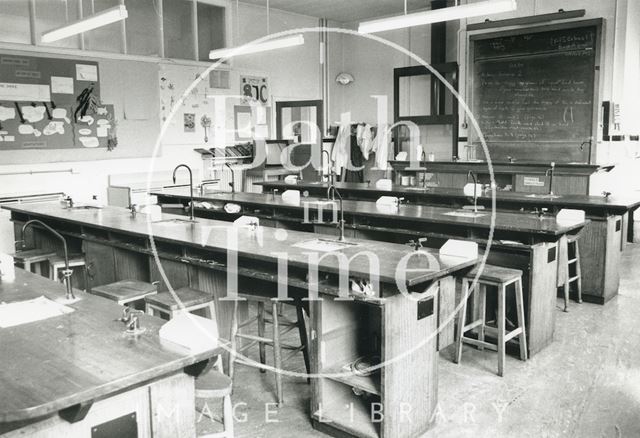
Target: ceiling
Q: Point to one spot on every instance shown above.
(344, 11)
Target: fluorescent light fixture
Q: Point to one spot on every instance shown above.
(280, 43)
(100, 19)
(438, 15)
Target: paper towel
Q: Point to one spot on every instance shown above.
(459, 248)
(191, 331)
(384, 184)
(7, 268)
(291, 197)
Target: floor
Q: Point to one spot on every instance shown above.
(586, 384)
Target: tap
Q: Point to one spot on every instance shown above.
(423, 158)
(69, 201)
(232, 184)
(341, 222)
(475, 189)
(203, 184)
(67, 272)
(549, 174)
(324, 151)
(192, 217)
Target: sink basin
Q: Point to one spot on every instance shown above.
(174, 221)
(536, 195)
(465, 213)
(324, 245)
(85, 207)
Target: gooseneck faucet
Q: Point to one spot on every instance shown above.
(192, 216)
(423, 158)
(475, 189)
(67, 273)
(329, 167)
(232, 184)
(549, 174)
(332, 189)
(204, 184)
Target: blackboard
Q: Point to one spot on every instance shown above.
(47, 120)
(534, 92)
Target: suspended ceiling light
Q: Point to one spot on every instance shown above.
(100, 19)
(280, 43)
(438, 15)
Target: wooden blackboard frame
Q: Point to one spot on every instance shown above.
(598, 23)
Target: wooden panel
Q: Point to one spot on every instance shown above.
(405, 335)
(593, 256)
(613, 253)
(135, 401)
(542, 297)
(172, 403)
(446, 307)
(131, 266)
(101, 265)
(176, 272)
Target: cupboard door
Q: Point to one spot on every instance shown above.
(101, 267)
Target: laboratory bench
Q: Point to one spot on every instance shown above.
(602, 241)
(81, 374)
(396, 321)
(528, 242)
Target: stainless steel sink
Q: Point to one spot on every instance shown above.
(174, 221)
(539, 196)
(324, 245)
(465, 213)
(86, 207)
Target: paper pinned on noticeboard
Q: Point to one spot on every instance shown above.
(86, 72)
(61, 85)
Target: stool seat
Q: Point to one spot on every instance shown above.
(34, 255)
(495, 274)
(125, 291)
(213, 384)
(187, 298)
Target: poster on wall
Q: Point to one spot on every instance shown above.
(254, 89)
(46, 104)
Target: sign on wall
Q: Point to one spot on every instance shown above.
(255, 88)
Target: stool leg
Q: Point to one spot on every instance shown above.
(148, 309)
(234, 333)
(277, 353)
(578, 271)
(501, 323)
(566, 293)
(27, 266)
(227, 416)
(522, 337)
(261, 327)
(302, 329)
(462, 316)
(482, 298)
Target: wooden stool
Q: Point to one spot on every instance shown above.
(125, 292)
(189, 300)
(501, 278)
(215, 385)
(281, 326)
(33, 257)
(56, 263)
(573, 259)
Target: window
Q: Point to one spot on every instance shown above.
(143, 30)
(106, 38)
(14, 16)
(211, 29)
(178, 29)
(51, 14)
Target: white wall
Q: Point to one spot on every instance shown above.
(293, 73)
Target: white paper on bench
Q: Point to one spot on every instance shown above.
(23, 312)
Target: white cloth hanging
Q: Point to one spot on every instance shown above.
(380, 145)
(365, 139)
(340, 153)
